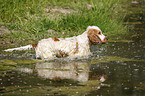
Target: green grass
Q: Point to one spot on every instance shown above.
(32, 19)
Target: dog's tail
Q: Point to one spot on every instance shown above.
(27, 47)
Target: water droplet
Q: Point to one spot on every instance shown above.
(126, 88)
(135, 87)
(134, 64)
(136, 69)
(113, 44)
(98, 87)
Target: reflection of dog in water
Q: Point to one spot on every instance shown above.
(97, 76)
(77, 46)
(73, 71)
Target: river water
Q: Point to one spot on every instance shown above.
(116, 68)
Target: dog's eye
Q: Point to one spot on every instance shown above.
(99, 33)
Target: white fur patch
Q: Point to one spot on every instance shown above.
(102, 37)
(93, 27)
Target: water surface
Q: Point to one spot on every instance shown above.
(116, 68)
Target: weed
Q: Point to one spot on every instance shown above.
(31, 19)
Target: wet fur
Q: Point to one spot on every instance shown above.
(76, 46)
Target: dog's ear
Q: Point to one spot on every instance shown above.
(93, 36)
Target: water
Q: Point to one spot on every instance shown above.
(116, 69)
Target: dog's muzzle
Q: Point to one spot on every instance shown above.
(105, 40)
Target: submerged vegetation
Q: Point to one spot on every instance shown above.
(27, 21)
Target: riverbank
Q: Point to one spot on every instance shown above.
(25, 22)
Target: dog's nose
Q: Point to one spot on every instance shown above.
(107, 38)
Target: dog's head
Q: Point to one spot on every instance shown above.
(95, 35)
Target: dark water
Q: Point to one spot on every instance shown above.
(116, 69)
(127, 78)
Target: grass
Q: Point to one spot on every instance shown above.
(31, 20)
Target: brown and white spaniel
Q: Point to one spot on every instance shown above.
(77, 46)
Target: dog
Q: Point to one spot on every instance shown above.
(77, 46)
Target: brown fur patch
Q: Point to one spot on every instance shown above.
(61, 54)
(34, 45)
(93, 36)
(76, 49)
(55, 39)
